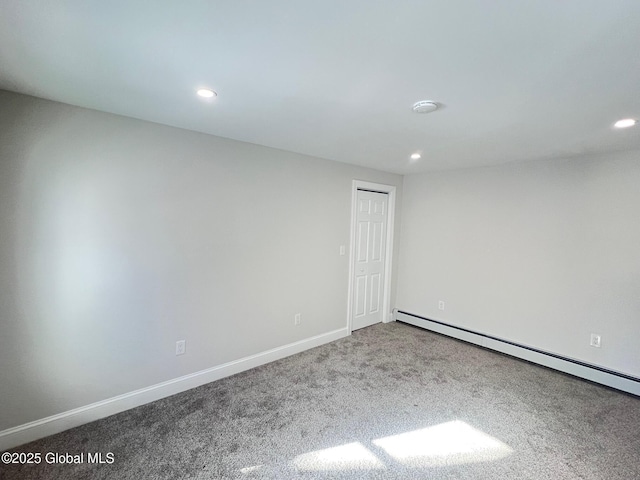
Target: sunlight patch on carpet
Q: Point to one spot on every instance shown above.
(251, 470)
(450, 443)
(351, 456)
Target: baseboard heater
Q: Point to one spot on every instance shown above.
(594, 373)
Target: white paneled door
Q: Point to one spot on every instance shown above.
(370, 251)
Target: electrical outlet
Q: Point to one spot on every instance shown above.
(440, 305)
(297, 319)
(181, 347)
(595, 340)
(343, 250)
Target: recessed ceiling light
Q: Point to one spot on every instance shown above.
(206, 93)
(415, 156)
(425, 106)
(626, 122)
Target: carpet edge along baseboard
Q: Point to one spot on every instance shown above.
(28, 432)
(594, 373)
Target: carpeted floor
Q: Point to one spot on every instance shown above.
(391, 401)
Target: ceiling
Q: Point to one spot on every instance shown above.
(516, 81)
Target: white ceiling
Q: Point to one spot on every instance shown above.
(517, 80)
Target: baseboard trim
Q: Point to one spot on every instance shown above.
(12, 437)
(594, 373)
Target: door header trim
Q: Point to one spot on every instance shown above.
(372, 191)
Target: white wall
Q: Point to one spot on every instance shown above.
(541, 253)
(119, 237)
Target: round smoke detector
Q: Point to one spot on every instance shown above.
(425, 106)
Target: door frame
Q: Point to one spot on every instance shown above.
(390, 190)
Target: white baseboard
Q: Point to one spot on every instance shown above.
(44, 427)
(594, 373)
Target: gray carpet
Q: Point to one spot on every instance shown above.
(391, 401)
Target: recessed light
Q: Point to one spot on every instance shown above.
(206, 93)
(415, 156)
(625, 123)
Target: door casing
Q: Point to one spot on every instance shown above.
(387, 315)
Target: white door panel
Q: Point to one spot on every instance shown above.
(363, 242)
(374, 293)
(361, 290)
(378, 242)
(369, 258)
